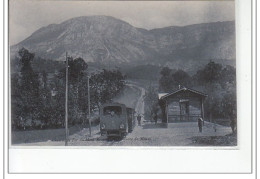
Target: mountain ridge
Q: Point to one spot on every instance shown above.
(110, 41)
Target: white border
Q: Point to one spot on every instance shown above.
(153, 160)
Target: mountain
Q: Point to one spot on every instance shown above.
(109, 41)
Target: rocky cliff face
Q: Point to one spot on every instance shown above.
(106, 40)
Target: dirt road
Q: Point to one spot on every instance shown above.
(139, 108)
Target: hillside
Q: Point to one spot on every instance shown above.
(109, 41)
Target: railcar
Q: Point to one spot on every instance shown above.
(116, 120)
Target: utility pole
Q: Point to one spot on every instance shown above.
(66, 102)
(89, 121)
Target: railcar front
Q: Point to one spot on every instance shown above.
(113, 120)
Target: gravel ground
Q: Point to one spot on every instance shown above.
(227, 140)
(150, 134)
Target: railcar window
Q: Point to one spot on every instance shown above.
(112, 110)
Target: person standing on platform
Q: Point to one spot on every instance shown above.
(233, 125)
(139, 120)
(200, 122)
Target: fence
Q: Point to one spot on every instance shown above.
(182, 118)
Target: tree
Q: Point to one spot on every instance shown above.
(45, 110)
(171, 80)
(166, 71)
(77, 67)
(16, 101)
(220, 85)
(228, 77)
(151, 103)
(210, 73)
(57, 86)
(229, 106)
(77, 95)
(180, 77)
(29, 88)
(165, 80)
(105, 85)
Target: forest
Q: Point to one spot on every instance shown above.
(38, 90)
(38, 94)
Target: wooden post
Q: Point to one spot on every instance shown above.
(202, 109)
(66, 102)
(89, 121)
(180, 111)
(166, 112)
(188, 109)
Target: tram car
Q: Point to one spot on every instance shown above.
(116, 120)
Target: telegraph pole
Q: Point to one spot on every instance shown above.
(89, 121)
(66, 102)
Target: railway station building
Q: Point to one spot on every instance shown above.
(184, 104)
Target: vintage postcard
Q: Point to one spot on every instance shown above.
(129, 87)
(113, 73)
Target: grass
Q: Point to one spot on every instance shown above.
(42, 135)
(227, 140)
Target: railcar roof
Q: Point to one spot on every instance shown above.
(113, 104)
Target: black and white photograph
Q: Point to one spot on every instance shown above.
(114, 73)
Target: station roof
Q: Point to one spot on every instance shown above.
(160, 95)
(166, 95)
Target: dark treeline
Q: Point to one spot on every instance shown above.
(38, 97)
(217, 81)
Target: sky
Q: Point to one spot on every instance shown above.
(27, 16)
